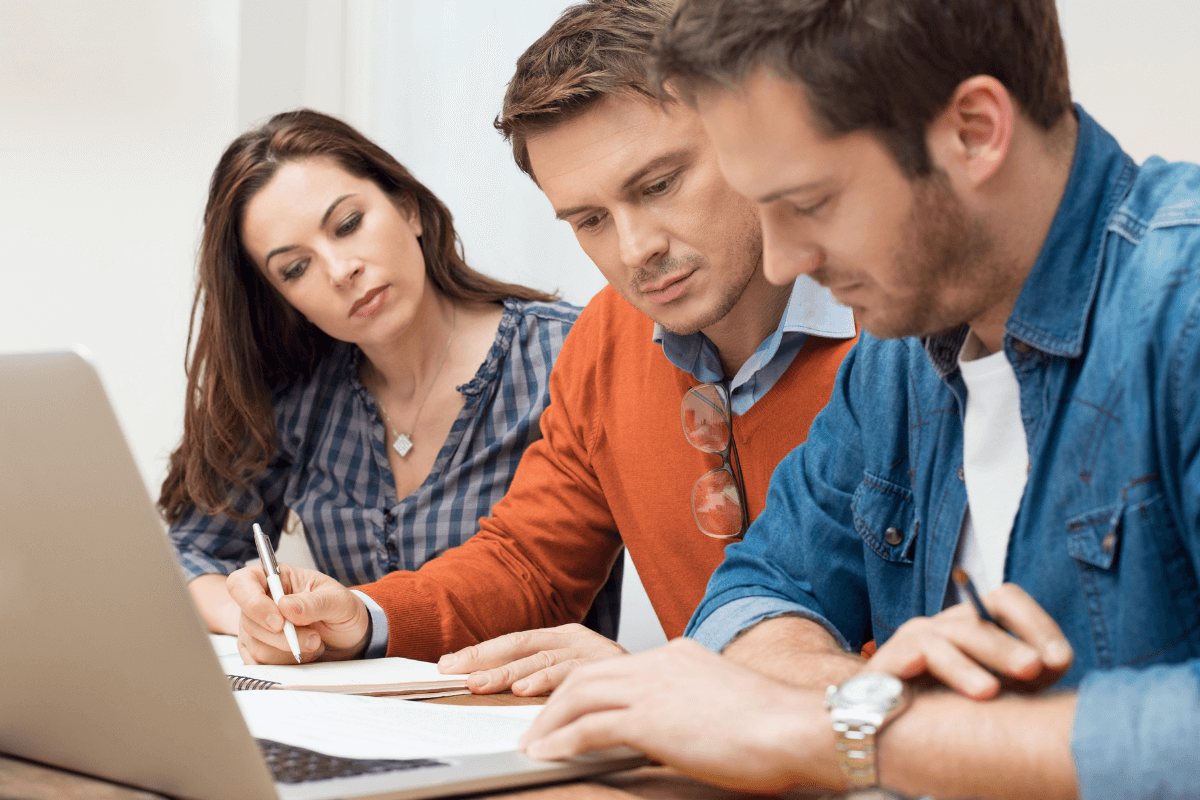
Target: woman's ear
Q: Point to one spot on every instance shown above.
(410, 211)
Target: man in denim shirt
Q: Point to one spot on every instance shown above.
(1026, 406)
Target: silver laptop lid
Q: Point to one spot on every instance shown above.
(88, 580)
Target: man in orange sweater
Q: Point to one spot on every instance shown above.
(687, 305)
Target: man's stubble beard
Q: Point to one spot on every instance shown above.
(950, 261)
(749, 263)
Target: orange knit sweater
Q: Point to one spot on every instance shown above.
(612, 467)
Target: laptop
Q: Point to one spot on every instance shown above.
(106, 667)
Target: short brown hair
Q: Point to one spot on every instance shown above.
(245, 341)
(595, 48)
(884, 66)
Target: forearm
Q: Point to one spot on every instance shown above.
(218, 610)
(947, 745)
(795, 650)
(491, 586)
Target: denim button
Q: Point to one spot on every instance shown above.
(1021, 347)
(893, 536)
(961, 475)
(1109, 542)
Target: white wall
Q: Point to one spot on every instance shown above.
(113, 114)
(1133, 67)
(111, 117)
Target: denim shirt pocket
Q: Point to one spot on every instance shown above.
(1131, 562)
(1092, 537)
(886, 519)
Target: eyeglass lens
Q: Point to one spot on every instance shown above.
(705, 422)
(716, 501)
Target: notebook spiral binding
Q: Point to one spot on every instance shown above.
(240, 683)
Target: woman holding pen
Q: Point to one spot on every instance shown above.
(347, 364)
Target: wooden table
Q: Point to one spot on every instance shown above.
(27, 780)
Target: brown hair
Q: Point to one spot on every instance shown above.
(593, 49)
(250, 341)
(885, 66)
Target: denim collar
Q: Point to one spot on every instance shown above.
(810, 309)
(1051, 313)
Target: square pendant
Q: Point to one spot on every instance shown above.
(402, 444)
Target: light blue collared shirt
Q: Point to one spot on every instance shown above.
(811, 310)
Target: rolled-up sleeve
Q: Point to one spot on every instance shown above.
(727, 622)
(1137, 734)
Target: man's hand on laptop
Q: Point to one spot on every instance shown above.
(1025, 652)
(695, 711)
(529, 662)
(332, 623)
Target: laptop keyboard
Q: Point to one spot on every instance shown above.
(290, 764)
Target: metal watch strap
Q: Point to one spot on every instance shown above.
(856, 753)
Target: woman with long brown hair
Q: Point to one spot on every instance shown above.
(346, 364)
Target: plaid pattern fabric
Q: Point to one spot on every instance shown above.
(331, 467)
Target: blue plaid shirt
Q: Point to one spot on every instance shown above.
(331, 466)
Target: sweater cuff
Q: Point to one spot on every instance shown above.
(412, 621)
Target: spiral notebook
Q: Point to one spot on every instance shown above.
(377, 676)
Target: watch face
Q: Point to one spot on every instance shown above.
(871, 689)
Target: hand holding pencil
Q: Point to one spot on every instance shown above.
(1001, 640)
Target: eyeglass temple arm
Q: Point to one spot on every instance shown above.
(737, 470)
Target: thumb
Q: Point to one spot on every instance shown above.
(308, 608)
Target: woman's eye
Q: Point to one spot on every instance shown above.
(294, 271)
(349, 225)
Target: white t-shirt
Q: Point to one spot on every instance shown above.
(995, 462)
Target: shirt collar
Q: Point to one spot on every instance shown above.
(810, 309)
(1052, 310)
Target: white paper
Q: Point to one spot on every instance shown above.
(353, 726)
(226, 649)
(366, 672)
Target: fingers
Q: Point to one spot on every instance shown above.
(1020, 614)
(323, 605)
(539, 674)
(248, 588)
(928, 645)
(1025, 650)
(545, 680)
(330, 621)
(264, 646)
(512, 647)
(584, 693)
(594, 731)
(504, 677)
(529, 662)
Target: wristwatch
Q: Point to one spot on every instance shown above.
(859, 710)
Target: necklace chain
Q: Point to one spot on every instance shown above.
(404, 441)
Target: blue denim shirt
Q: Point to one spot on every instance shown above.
(1105, 343)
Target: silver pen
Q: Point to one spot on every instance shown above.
(270, 566)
